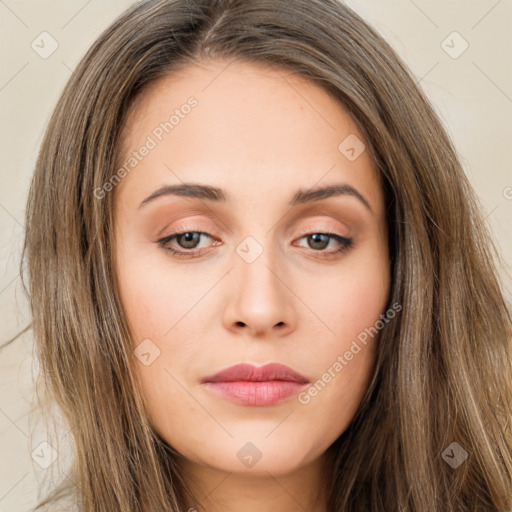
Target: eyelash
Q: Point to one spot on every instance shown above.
(346, 243)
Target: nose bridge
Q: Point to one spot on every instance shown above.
(256, 266)
(261, 300)
(258, 249)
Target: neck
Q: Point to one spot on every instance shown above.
(297, 491)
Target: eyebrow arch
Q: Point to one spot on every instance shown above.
(199, 191)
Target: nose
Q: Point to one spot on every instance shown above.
(261, 301)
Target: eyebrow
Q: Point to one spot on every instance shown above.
(199, 191)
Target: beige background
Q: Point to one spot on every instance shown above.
(472, 94)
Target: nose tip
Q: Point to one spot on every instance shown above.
(261, 302)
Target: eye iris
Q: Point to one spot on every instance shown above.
(191, 239)
(317, 238)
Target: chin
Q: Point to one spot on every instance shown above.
(258, 456)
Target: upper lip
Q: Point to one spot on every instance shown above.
(252, 373)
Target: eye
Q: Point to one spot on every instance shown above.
(186, 240)
(319, 241)
(189, 240)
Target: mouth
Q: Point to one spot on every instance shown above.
(247, 384)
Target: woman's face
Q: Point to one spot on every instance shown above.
(260, 281)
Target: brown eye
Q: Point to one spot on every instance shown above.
(320, 241)
(188, 240)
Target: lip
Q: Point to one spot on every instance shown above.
(248, 384)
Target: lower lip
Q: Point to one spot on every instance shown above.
(256, 393)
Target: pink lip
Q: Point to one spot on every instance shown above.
(252, 385)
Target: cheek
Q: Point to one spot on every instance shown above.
(352, 297)
(351, 308)
(155, 295)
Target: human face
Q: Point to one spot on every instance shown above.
(254, 288)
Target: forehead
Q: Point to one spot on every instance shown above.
(252, 127)
(233, 93)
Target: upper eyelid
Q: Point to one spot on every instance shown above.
(302, 232)
(315, 217)
(314, 227)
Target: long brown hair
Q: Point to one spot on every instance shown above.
(444, 367)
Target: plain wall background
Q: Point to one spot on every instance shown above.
(472, 94)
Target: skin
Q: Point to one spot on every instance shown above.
(260, 134)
